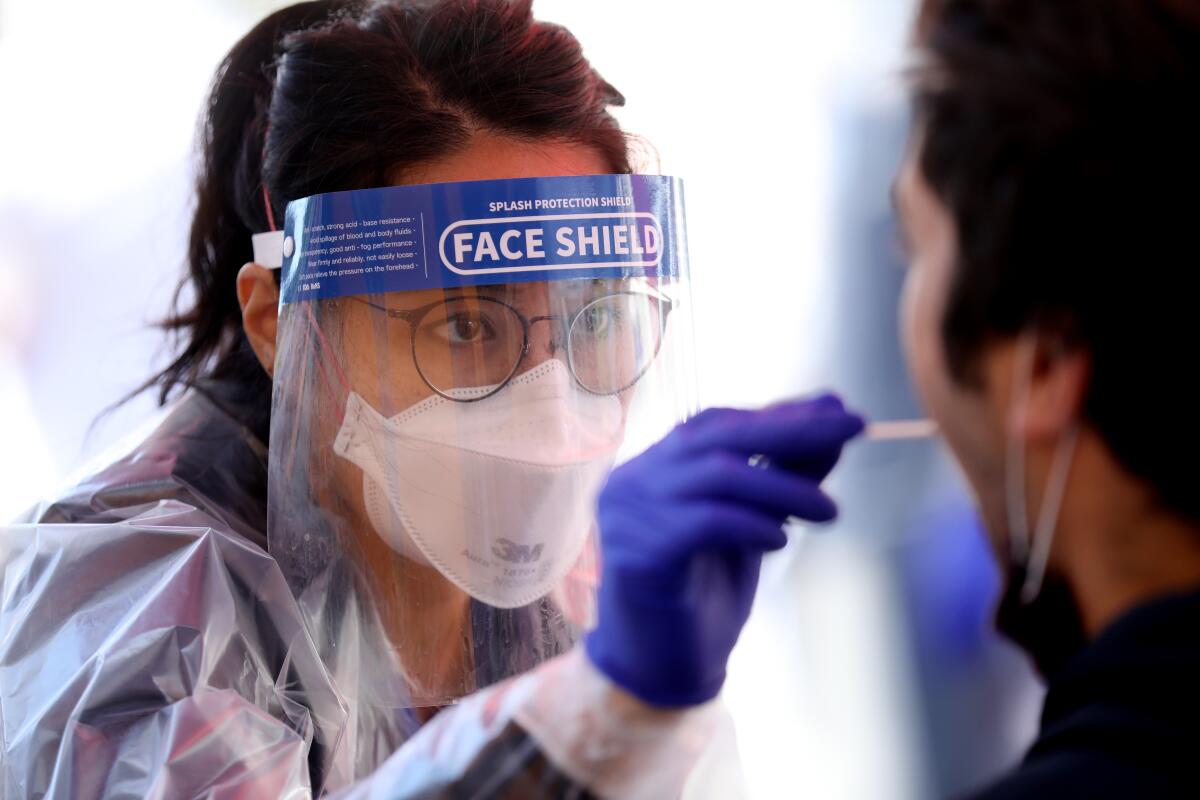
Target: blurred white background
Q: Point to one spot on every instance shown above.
(786, 121)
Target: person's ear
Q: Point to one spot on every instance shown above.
(259, 299)
(1057, 391)
(1058, 373)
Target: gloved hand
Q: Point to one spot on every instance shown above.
(683, 529)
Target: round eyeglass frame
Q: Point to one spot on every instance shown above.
(413, 318)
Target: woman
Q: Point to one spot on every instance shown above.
(152, 644)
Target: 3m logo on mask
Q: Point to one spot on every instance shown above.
(567, 241)
(514, 553)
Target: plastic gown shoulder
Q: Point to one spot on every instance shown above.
(148, 644)
(150, 647)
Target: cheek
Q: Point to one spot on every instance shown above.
(379, 366)
(959, 412)
(920, 335)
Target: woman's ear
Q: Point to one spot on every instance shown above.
(259, 298)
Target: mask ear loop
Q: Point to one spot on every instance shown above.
(270, 213)
(263, 179)
(322, 342)
(1056, 489)
(1036, 555)
(323, 346)
(1018, 511)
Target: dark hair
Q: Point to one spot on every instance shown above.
(1064, 138)
(328, 96)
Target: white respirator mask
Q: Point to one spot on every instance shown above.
(498, 495)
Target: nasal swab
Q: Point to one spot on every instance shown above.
(897, 430)
(889, 431)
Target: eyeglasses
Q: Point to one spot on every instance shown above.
(468, 348)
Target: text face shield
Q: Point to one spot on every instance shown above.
(459, 367)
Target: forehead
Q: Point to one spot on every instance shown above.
(540, 293)
(490, 156)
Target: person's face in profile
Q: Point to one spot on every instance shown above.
(971, 418)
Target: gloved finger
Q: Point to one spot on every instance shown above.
(815, 467)
(786, 433)
(823, 401)
(773, 492)
(826, 401)
(714, 526)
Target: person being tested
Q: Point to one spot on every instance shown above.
(1047, 201)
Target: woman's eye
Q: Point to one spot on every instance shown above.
(465, 328)
(597, 320)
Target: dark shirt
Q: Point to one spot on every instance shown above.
(1122, 719)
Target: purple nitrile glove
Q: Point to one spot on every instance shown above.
(683, 529)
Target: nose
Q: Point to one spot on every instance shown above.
(547, 339)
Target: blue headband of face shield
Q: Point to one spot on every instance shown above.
(444, 235)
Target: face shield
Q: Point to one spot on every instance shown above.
(458, 368)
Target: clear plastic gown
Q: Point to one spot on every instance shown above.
(150, 647)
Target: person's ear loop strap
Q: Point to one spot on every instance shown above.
(322, 342)
(270, 212)
(326, 352)
(1035, 555)
(268, 247)
(1043, 535)
(1018, 511)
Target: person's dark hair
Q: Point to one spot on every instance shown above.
(1064, 138)
(329, 96)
